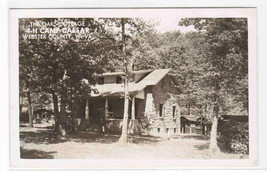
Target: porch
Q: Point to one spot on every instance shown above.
(105, 114)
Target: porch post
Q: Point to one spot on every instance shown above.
(106, 107)
(133, 108)
(87, 109)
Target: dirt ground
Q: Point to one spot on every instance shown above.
(38, 142)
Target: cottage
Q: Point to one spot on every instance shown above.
(153, 106)
(191, 124)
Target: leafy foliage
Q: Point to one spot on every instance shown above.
(235, 136)
(68, 67)
(226, 66)
(211, 65)
(71, 59)
(65, 68)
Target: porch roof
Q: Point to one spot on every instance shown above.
(122, 73)
(191, 118)
(196, 118)
(118, 89)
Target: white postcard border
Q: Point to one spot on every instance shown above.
(16, 162)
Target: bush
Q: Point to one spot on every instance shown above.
(234, 136)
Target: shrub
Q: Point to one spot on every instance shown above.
(234, 136)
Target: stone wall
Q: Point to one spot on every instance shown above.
(163, 94)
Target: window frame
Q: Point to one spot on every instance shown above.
(160, 110)
(173, 111)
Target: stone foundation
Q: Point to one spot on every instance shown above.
(115, 126)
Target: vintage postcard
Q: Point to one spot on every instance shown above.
(133, 88)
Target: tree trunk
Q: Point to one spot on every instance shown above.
(73, 116)
(123, 138)
(213, 134)
(62, 119)
(189, 103)
(20, 104)
(30, 109)
(56, 112)
(59, 117)
(189, 111)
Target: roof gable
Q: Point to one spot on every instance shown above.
(153, 78)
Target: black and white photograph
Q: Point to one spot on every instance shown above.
(144, 86)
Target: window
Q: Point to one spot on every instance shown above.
(167, 130)
(101, 80)
(110, 108)
(158, 130)
(173, 111)
(118, 80)
(160, 109)
(174, 130)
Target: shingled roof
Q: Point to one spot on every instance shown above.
(196, 118)
(191, 118)
(152, 78)
(122, 73)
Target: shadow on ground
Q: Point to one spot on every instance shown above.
(202, 146)
(40, 135)
(35, 154)
(44, 135)
(95, 137)
(144, 139)
(197, 137)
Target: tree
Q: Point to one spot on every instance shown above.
(65, 67)
(127, 33)
(181, 53)
(226, 66)
(123, 138)
(26, 71)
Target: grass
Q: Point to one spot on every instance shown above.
(38, 142)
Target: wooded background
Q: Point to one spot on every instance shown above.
(210, 64)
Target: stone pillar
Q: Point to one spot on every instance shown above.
(87, 109)
(106, 107)
(133, 108)
(150, 109)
